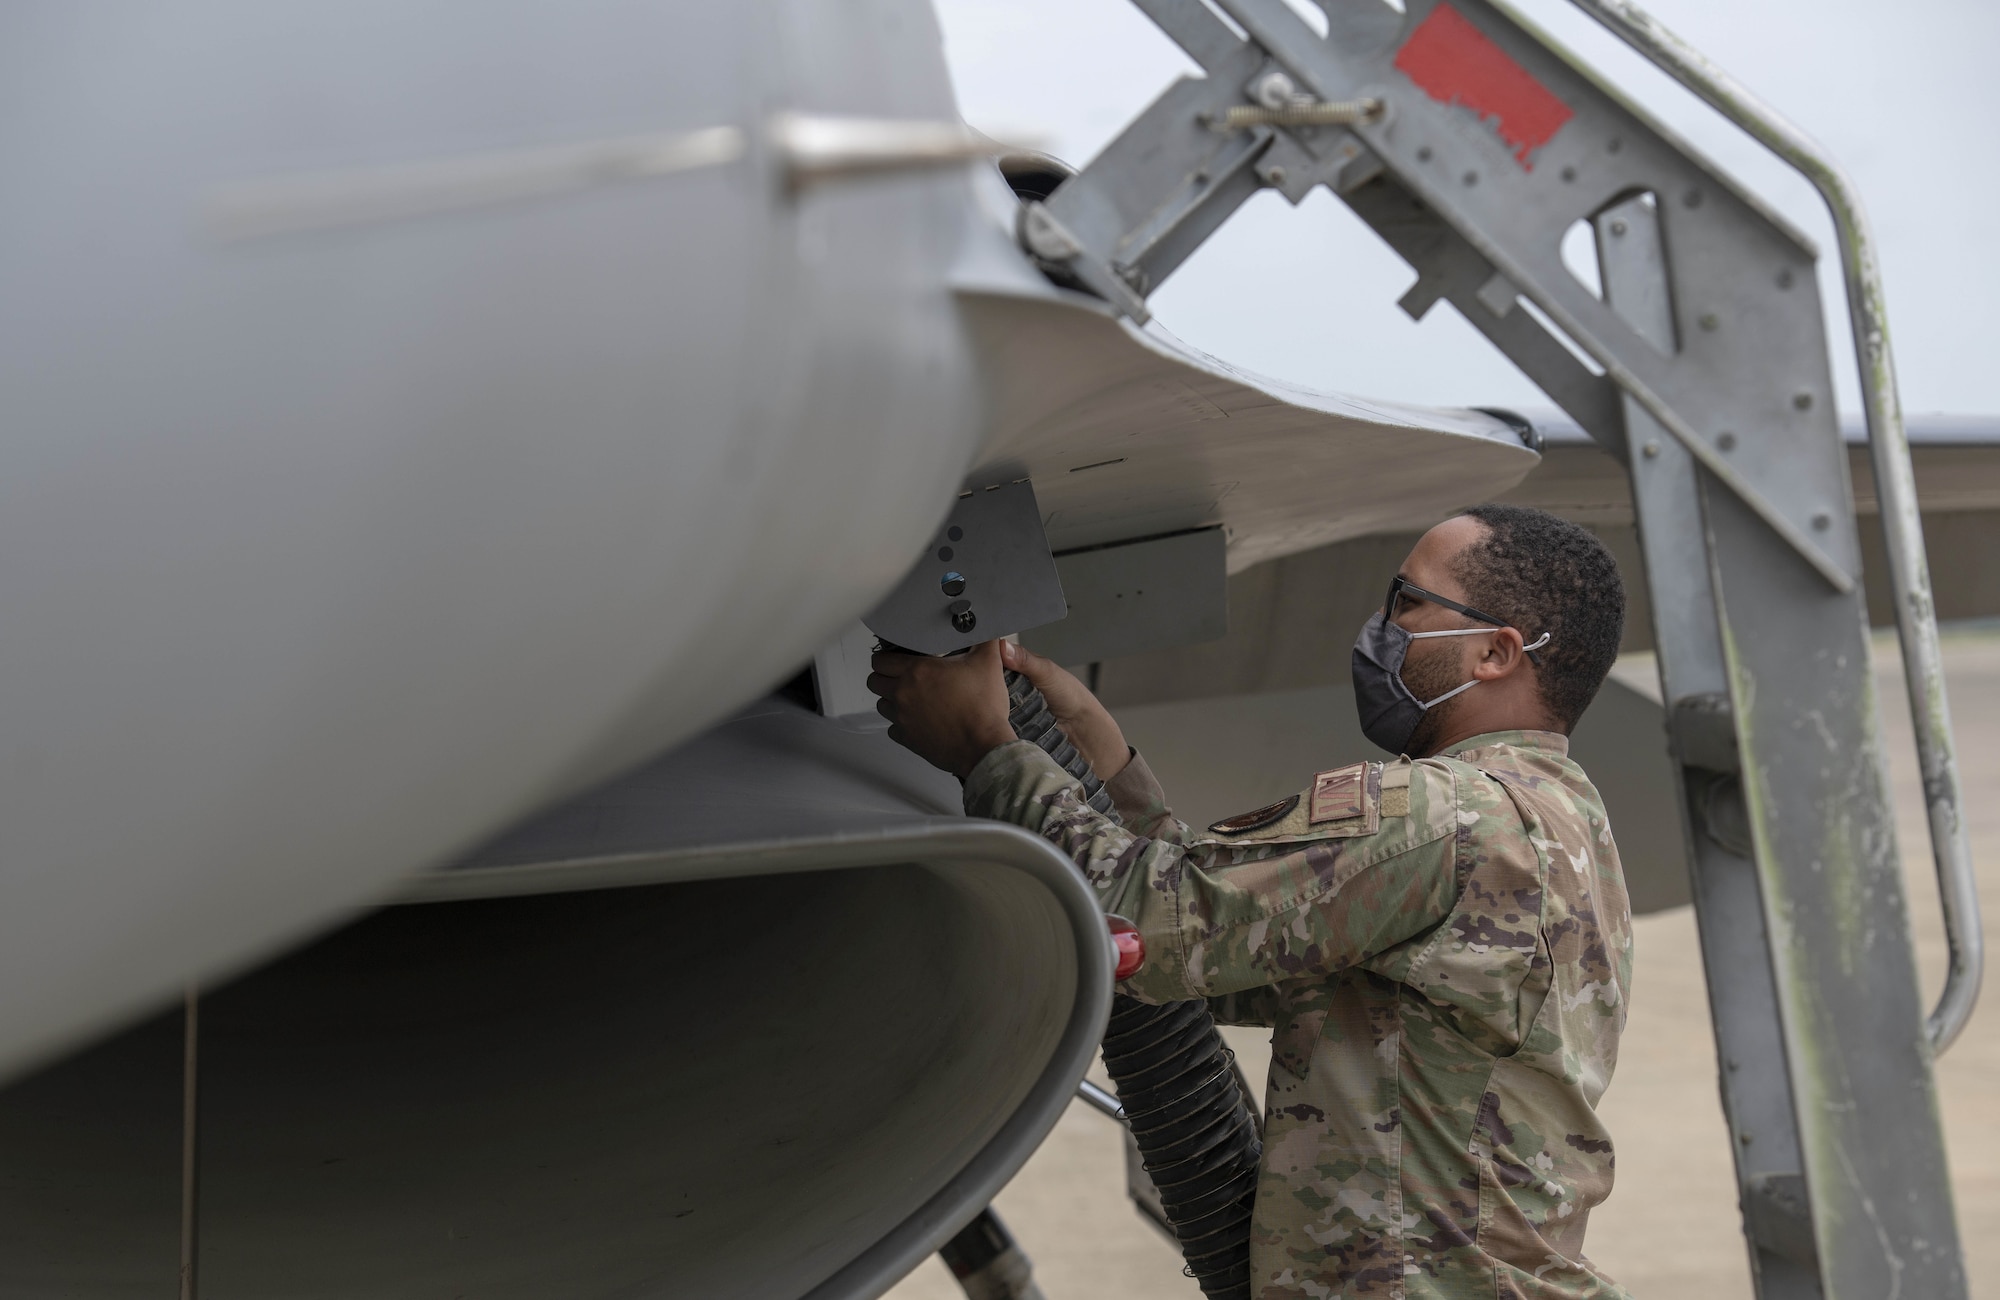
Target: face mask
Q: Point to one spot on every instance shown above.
(1389, 713)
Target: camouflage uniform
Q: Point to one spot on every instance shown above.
(1442, 948)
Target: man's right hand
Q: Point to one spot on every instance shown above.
(1082, 718)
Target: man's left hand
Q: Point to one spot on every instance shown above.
(950, 712)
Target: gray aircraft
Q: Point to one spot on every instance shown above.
(458, 461)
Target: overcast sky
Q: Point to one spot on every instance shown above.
(1906, 95)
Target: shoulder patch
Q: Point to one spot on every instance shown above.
(1339, 794)
(1255, 820)
(1352, 810)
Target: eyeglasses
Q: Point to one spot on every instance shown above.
(1401, 588)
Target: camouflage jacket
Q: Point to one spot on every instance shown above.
(1442, 949)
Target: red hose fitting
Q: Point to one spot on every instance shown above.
(1131, 949)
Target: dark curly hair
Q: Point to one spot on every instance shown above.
(1548, 575)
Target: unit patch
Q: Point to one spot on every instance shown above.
(1255, 820)
(1339, 794)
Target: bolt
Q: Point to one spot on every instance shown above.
(1726, 440)
(962, 617)
(955, 532)
(1822, 521)
(1424, 154)
(1785, 278)
(1651, 450)
(1617, 227)
(1273, 90)
(1275, 175)
(1692, 198)
(1471, 178)
(1569, 173)
(1710, 321)
(1802, 401)
(953, 584)
(944, 554)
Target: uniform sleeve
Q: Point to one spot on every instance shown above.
(1142, 804)
(1220, 917)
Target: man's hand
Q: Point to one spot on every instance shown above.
(949, 712)
(1089, 727)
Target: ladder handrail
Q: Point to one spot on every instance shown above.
(1895, 485)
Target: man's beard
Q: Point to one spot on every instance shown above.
(1437, 673)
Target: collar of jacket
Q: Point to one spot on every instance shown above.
(1552, 742)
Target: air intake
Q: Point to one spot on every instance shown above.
(791, 1065)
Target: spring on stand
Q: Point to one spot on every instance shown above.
(1177, 1083)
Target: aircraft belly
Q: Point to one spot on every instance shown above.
(329, 547)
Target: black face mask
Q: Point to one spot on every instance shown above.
(1389, 713)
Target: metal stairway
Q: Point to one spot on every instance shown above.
(1472, 144)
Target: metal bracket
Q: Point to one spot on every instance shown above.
(1142, 206)
(987, 573)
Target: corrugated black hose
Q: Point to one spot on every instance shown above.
(1177, 1083)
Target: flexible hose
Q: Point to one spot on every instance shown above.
(1177, 1083)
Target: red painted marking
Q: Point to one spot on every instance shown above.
(1454, 63)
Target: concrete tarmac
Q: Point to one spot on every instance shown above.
(1670, 1229)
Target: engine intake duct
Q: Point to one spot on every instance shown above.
(762, 1020)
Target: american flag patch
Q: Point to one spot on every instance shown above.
(1339, 794)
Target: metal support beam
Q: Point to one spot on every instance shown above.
(1889, 455)
(1757, 1096)
(1473, 145)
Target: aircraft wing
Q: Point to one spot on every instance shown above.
(1127, 433)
